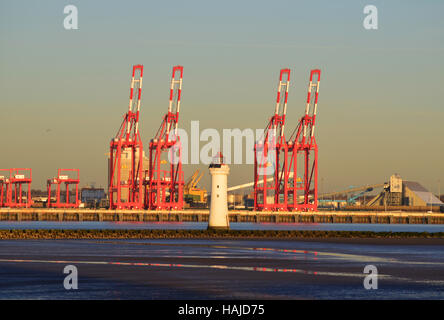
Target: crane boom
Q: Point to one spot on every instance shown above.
(302, 146)
(272, 145)
(126, 152)
(164, 187)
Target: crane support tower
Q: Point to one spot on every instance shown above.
(16, 188)
(164, 184)
(63, 177)
(126, 154)
(270, 156)
(4, 181)
(303, 193)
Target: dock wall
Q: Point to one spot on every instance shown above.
(189, 215)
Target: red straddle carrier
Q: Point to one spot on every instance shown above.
(67, 177)
(15, 185)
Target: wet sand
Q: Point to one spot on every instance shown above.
(222, 269)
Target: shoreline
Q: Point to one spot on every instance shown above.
(367, 237)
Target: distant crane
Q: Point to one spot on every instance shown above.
(352, 199)
(164, 186)
(267, 155)
(193, 178)
(286, 188)
(16, 188)
(126, 187)
(63, 177)
(192, 193)
(352, 190)
(302, 146)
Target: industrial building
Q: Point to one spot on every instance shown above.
(397, 194)
(405, 193)
(415, 194)
(126, 166)
(93, 197)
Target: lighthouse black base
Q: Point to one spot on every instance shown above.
(218, 228)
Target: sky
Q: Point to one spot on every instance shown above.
(381, 105)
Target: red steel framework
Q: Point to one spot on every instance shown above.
(126, 186)
(270, 172)
(16, 189)
(4, 180)
(63, 177)
(164, 187)
(304, 145)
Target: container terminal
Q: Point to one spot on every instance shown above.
(153, 188)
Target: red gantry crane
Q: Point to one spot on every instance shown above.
(270, 171)
(16, 188)
(4, 180)
(63, 177)
(164, 184)
(126, 154)
(303, 147)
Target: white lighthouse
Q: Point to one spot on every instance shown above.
(219, 208)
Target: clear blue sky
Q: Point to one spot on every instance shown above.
(63, 93)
